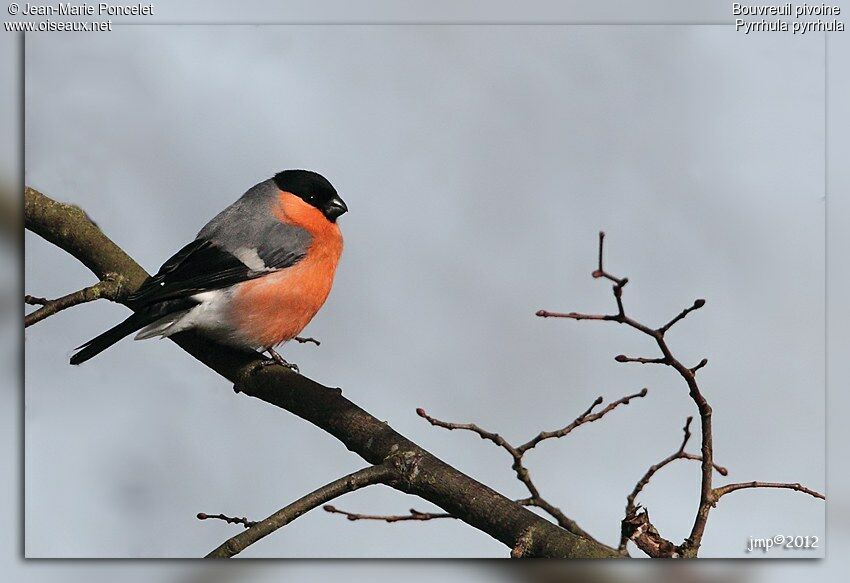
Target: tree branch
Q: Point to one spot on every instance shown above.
(70, 228)
(110, 289)
(369, 476)
(424, 474)
(522, 545)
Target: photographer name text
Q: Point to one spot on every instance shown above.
(85, 9)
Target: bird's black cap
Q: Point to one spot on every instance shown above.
(314, 189)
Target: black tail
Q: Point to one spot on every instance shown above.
(100, 343)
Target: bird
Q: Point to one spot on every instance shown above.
(253, 277)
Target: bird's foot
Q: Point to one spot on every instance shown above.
(278, 359)
(258, 365)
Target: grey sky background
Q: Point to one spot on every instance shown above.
(478, 163)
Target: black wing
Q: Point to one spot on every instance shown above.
(244, 241)
(202, 265)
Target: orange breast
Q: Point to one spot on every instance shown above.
(276, 307)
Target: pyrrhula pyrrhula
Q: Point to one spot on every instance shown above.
(255, 275)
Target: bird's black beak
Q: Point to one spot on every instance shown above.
(334, 208)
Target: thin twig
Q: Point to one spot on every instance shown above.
(701, 364)
(697, 305)
(517, 453)
(521, 471)
(301, 340)
(414, 515)
(576, 315)
(639, 359)
(600, 270)
(723, 490)
(110, 289)
(365, 477)
(229, 519)
(586, 417)
(482, 433)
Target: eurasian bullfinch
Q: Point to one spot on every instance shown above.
(253, 278)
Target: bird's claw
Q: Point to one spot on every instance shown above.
(293, 367)
(278, 359)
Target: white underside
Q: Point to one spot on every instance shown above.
(209, 316)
